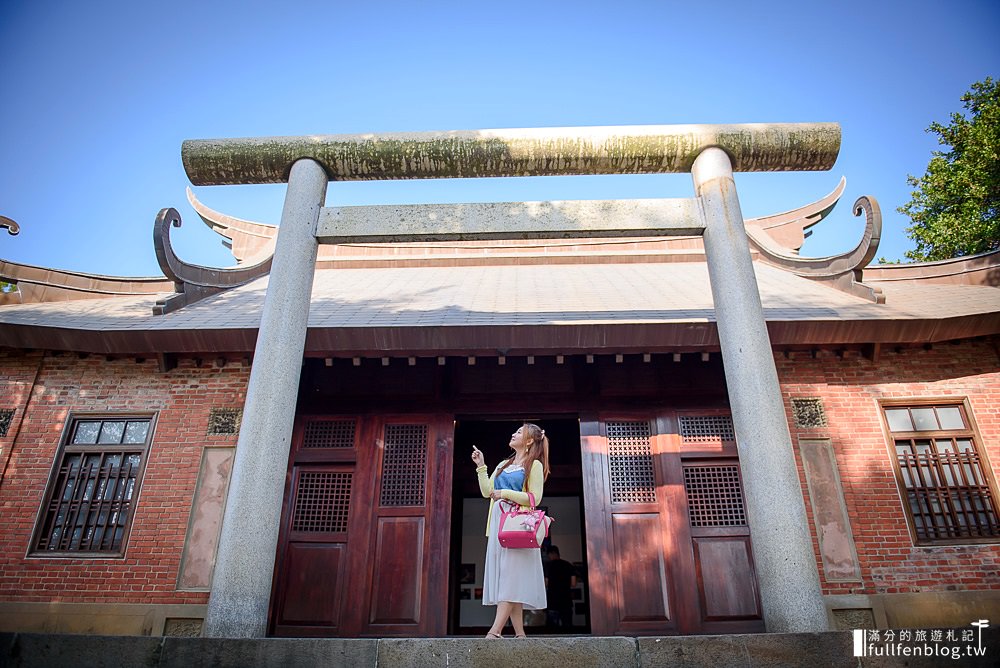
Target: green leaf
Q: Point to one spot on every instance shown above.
(955, 208)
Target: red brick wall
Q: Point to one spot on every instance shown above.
(17, 377)
(850, 389)
(182, 399)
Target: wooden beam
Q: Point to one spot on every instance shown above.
(166, 362)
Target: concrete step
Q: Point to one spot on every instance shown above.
(809, 650)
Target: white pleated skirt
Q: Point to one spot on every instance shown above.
(513, 575)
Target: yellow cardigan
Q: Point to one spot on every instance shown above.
(534, 482)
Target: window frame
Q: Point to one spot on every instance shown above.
(971, 431)
(69, 427)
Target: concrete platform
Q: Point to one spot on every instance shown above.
(809, 650)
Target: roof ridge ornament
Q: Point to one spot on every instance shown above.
(12, 227)
(791, 228)
(843, 271)
(247, 240)
(193, 282)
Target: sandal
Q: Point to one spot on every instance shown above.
(493, 635)
(523, 635)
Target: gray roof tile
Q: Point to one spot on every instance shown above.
(559, 294)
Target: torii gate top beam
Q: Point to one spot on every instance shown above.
(643, 149)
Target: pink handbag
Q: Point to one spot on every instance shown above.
(523, 528)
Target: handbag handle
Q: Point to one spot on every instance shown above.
(531, 501)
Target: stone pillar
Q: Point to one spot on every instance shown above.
(782, 547)
(241, 585)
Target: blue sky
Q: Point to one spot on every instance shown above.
(98, 96)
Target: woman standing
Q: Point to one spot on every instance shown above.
(513, 578)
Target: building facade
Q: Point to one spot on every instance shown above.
(123, 399)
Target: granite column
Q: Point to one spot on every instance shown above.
(782, 546)
(241, 585)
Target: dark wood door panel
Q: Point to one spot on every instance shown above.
(643, 591)
(727, 585)
(600, 551)
(313, 583)
(399, 569)
(311, 565)
(630, 572)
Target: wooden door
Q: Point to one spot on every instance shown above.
(318, 527)
(379, 565)
(627, 509)
(724, 590)
(664, 558)
(403, 570)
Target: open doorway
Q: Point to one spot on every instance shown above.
(563, 500)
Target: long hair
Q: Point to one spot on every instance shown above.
(538, 450)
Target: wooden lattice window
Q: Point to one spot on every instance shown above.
(941, 474)
(322, 501)
(630, 462)
(91, 494)
(706, 429)
(329, 434)
(404, 465)
(715, 496)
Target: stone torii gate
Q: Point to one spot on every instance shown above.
(782, 547)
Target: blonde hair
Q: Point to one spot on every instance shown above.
(537, 450)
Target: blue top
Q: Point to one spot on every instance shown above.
(510, 479)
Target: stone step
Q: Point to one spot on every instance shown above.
(785, 650)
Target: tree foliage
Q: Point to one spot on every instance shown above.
(955, 208)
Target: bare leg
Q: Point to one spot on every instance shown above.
(504, 609)
(517, 618)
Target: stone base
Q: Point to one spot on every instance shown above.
(926, 610)
(807, 650)
(121, 619)
(922, 610)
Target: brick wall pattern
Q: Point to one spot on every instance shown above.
(849, 386)
(182, 400)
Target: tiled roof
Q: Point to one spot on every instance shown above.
(575, 295)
